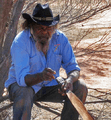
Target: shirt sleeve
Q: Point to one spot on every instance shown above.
(69, 62)
(20, 60)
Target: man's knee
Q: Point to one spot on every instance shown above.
(26, 92)
(80, 89)
(16, 91)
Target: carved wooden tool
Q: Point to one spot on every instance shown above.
(76, 103)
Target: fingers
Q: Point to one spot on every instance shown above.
(68, 86)
(50, 70)
(48, 74)
(64, 87)
(62, 90)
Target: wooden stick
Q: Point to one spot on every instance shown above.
(76, 102)
(79, 106)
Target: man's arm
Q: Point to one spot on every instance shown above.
(73, 76)
(31, 80)
(47, 74)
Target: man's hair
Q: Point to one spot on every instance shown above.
(27, 25)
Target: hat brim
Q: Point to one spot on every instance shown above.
(46, 23)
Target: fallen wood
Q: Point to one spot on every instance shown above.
(4, 98)
(47, 108)
(6, 107)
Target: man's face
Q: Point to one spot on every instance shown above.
(41, 33)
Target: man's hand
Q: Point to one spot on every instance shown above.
(47, 74)
(33, 79)
(66, 85)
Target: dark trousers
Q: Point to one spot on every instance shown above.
(24, 97)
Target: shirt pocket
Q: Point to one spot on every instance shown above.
(55, 62)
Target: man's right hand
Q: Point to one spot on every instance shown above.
(48, 74)
(33, 79)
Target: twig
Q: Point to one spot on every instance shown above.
(29, 4)
(93, 52)
(85, 16)
(6, 107)
(100, 91)
(99, 117)
(47, 108)
(98, 101)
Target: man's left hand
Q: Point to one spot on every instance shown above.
(66, 85)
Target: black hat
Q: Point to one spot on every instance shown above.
(43, 15)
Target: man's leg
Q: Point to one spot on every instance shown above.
(23, 101)
(50, 94)
(69, 112)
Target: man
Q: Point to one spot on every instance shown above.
(37, 55)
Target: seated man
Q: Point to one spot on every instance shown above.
(37, 54)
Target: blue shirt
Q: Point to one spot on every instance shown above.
(26, 59)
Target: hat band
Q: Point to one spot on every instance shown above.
(44, 18)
